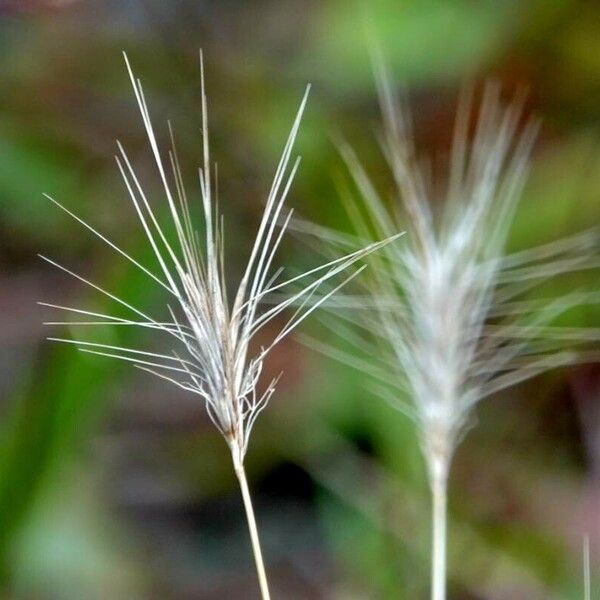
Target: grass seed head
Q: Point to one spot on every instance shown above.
(207, 339)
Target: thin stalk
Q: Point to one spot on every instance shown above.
(587, 583)
(439, 518)
(258, 559)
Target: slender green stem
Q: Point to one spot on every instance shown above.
(258, 559)
(439, 518)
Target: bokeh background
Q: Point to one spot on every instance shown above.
(113, 485)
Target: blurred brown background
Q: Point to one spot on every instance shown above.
(113, 485)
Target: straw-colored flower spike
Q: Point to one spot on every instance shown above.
(207, 340)
(451, 324)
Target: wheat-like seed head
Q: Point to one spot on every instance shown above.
(207, 338)
(450, 323)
